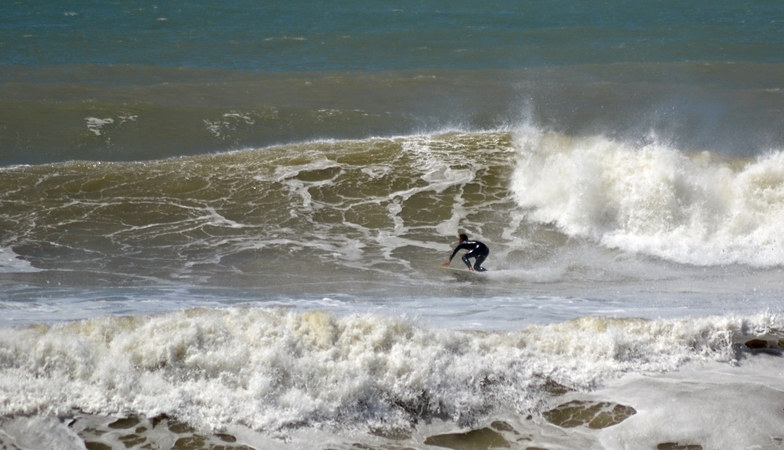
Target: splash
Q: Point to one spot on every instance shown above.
(697, 209)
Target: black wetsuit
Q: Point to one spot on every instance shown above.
(477, 250)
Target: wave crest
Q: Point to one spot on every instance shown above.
(697, 208)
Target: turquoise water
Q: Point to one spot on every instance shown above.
(301, 36)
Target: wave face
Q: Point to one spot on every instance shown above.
(375, 205)
(388, 208)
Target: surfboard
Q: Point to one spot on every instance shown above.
(462, 273)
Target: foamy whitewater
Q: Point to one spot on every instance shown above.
(694, 209)
(223, 224)
(284, 373)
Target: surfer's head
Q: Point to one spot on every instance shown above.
(462, 237)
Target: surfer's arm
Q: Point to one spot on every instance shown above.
(458, 248)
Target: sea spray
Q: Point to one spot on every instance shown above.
(698, 208)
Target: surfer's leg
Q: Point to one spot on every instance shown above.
(466, 261)
(480, 258)
(478, 263)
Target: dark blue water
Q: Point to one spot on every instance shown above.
(378, 35)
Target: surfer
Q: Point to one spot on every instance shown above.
(476, 250)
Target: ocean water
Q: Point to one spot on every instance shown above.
(222, 225)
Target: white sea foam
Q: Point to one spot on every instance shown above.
(11, 263)
(714, 405)
(39, 433)
(272, 370)
(696, 209)
(95, 125)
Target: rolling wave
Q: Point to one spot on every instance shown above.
(698, 208)
(390, 208)
(270, 369)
